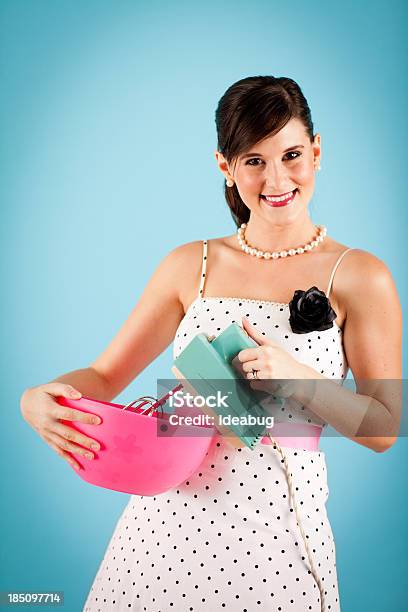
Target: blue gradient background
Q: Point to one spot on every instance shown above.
(105, 105)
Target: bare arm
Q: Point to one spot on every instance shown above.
(89, 382)
(373, 342)
(149, 329)
(372, 337)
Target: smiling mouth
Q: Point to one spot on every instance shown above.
(281, 200)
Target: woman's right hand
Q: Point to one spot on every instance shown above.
(43, 413)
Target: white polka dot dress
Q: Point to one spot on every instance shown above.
(228, 537)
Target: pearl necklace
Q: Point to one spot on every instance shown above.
(245, 246)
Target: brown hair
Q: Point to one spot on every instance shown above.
(251, 109)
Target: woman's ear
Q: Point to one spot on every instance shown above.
(317, 149)
(223, 165)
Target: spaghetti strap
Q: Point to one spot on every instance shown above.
(203, 269)
(334, 270)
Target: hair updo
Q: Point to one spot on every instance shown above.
(250, 110)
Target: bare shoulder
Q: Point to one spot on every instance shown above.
(187, 256)
(177, 267)
(363, 279)
(187, 248)
(360, 267)
(184, 268)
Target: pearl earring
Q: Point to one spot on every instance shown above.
(229, 183)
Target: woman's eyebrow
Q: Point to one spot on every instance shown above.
(260, 154)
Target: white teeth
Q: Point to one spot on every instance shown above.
(280, 199)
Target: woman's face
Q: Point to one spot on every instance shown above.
(279, 165)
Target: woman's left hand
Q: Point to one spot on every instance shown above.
(269, 359)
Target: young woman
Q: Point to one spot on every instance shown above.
(249, 531)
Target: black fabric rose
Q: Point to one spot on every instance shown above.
(310, 311)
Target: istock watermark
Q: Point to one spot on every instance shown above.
(206, 420)
(202, 406)
(179, 399)
(338, 407)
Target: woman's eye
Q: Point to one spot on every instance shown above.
(296, 153)
(255, 159)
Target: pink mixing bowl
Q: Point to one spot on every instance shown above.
(133, 458)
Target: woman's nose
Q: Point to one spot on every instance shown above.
(276, 180)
